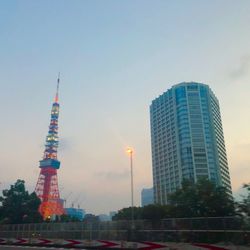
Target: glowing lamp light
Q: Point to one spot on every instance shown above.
(129, 150)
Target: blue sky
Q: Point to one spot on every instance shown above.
(115, 57)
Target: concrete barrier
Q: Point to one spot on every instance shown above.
(107, 244)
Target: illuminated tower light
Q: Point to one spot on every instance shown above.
(47, 184)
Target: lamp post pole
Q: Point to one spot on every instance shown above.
(130, 152)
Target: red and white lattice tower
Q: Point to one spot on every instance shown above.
(47, 184)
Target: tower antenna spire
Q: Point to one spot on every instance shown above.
(57, 87)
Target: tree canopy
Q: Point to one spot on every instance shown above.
(201, 199)
(125, 214)
(243, 206)
(18, 206)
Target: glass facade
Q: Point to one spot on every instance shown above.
(187, 139)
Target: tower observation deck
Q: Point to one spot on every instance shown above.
(47, 184)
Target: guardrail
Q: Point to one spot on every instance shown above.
(235, 230)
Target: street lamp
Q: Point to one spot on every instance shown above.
(130, 152)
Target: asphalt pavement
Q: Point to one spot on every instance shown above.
(4, 247)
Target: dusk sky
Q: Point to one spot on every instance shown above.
(115, 57)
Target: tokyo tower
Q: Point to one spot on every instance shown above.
(47, 184)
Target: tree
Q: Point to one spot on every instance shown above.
(18, 206)
(201, 199)
(155, 212)
(244, 205)
(126, 214)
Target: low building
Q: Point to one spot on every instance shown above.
(104, 217)
(75, 212)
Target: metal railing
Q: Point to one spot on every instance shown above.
(214, 229)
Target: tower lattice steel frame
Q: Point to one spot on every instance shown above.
(47, 184)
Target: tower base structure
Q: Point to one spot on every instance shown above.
(47, 190)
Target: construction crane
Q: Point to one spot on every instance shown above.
(66, 198)
(76, 200)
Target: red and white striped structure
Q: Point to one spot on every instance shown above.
(47, 184)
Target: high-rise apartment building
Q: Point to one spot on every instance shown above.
(187, 139)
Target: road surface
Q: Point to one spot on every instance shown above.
(3, 247)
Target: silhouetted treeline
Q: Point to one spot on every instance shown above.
(201, 199)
